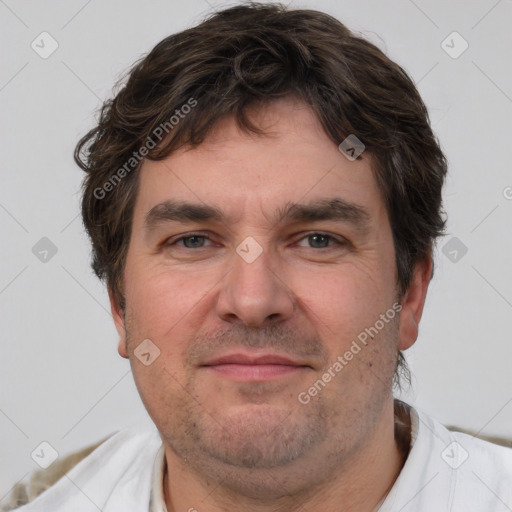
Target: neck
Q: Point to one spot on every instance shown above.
(360, 483)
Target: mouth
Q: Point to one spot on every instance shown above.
(250, 367)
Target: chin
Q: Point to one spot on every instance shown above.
(261, 436)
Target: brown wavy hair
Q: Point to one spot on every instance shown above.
(245, 56)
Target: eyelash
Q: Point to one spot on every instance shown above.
(310, 234)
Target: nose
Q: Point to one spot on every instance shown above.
(254, 292)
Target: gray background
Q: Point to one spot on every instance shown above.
(62, 380)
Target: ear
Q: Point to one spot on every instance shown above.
(413, 302)
(118, 316)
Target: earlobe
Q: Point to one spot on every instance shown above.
(121, 348)
(413, 302)
(118, 316)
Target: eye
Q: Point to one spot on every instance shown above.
(190, 241)
(317, 240)
(321, 240)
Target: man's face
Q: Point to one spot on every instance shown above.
(213, 304)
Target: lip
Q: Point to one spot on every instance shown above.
(254, 367)
(253, 359)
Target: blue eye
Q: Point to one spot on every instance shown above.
(197, 241)
(194, 238)
(323, 239)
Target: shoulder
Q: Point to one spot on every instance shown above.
(40, 480)
(479, 471)
(105, 460)
(485, 471)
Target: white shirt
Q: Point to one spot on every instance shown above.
(444, 472)
(451, 472)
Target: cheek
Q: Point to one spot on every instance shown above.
(161, 298)
(168, 306)
(344, 300)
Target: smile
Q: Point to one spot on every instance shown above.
(244, 367)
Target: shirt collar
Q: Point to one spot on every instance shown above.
(157, 502)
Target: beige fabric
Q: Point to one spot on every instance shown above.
(491, 439)
(42, 479)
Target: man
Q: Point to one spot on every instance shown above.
(263, 197)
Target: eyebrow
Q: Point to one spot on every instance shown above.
(333, 209)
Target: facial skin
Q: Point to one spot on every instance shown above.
(234, 442)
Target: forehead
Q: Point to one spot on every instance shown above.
(241, 174)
